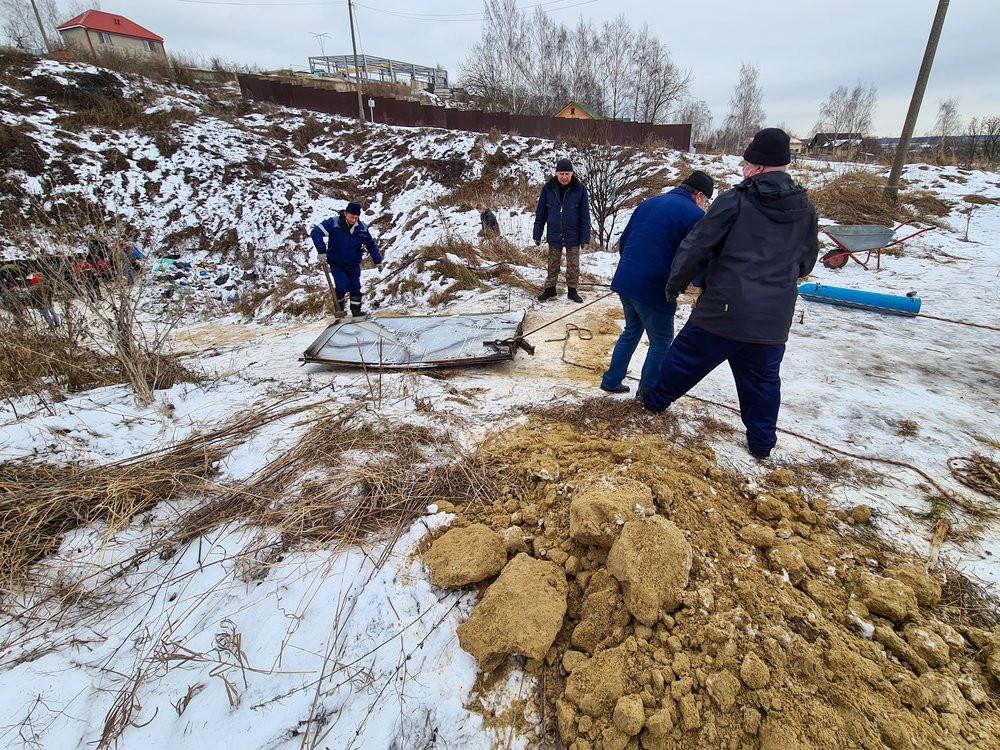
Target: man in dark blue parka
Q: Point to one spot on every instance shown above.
(753, 245)
(648, 244)
(564, 207)
(344, 238)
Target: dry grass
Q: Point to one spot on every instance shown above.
(39, 502)
(344, 483)
(617, 416)
(979, 472)
(968, 601)
(856, 197)
(821, 472)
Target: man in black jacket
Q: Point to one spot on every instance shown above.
(564, 207)
(753, 245)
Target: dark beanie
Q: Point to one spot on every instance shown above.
(353, 208)
(769, 148)
(700, 182)
(564, 165)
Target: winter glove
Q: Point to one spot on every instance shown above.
(537, 243)
(672, 297)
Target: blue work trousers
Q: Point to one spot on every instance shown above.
(756, 370)
(658, 324)
(347, 279)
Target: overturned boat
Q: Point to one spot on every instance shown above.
(420, 341)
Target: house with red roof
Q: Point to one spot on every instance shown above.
(97, 31)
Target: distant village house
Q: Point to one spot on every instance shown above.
(575, 111)
(832, 143)
(96, 31)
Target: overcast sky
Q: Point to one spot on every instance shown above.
(803, 49)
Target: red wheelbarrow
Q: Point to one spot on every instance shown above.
(861, 238)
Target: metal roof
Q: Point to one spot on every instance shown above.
(98, 20)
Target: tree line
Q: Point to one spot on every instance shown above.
(527, 64)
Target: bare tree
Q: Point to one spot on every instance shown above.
(696, 112)
(848, 111)
(658, 83)
(20, 26)
(989, 132)
(616, 178)
(616, 50)
(532, 65)
(746, 113)
(947, 126)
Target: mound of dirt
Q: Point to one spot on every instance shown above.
(721, 614)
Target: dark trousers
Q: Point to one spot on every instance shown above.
(756, 370)
(347, 279)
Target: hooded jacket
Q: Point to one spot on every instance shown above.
(651, 237)
(753, 245)
(344, 244)
(567, 216)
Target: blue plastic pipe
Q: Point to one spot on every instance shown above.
(883, 303)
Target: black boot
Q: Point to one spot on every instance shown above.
(549, 293)
(571, 294)
(356, 311)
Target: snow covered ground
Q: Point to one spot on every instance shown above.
(352, 647)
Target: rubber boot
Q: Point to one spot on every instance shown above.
(356, 311)
(341, 311)
(571, 294)
(549, 293)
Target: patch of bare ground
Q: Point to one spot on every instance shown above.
(792, 627)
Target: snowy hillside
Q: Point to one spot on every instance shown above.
(258, 559)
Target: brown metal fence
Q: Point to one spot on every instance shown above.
(414, 114)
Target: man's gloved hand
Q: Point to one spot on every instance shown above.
(672, 297)
(537, 243)
(379, 266)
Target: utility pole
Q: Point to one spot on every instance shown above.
(892, 189)
(357, 72)
(41, 26)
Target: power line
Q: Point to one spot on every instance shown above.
(472, 17)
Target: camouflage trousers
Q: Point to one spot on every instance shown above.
(572, 266)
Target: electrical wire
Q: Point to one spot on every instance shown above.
(459, 17)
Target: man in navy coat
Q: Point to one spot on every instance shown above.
(648, 244)
(344, 238)
(564, 207)
(751, 249)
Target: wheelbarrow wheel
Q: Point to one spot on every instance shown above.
(834, 259)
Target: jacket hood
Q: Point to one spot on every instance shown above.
(777, 196)
(553, 183)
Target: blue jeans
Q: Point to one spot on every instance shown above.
(756, 370)
(658, 323)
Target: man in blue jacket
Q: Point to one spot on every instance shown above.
(752, 247)
(648, 244)
(564, 207)
(343, 238)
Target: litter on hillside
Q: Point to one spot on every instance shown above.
(420, 341)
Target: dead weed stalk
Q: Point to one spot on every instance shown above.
(40, 502)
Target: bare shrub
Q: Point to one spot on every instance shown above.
(103, 336)
(855, 197)
(617, 178)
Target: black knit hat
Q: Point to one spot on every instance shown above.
(353, 208)
(700, 182)
(564, 165)
(769, 148)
